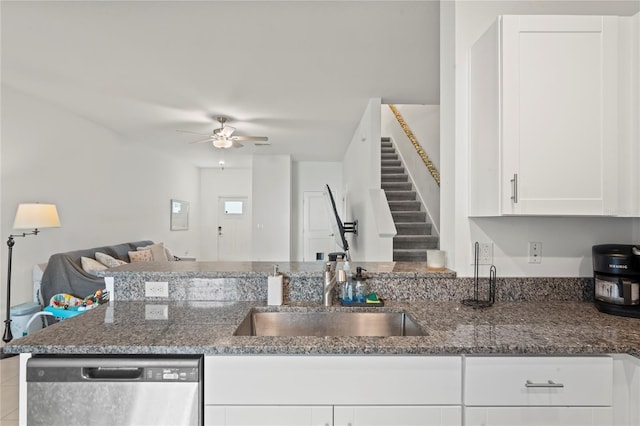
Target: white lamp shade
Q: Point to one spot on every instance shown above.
(33, 216)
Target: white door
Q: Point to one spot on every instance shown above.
(317, 235)
(234, 229)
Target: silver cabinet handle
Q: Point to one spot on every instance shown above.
(549, 384)
(514, 188)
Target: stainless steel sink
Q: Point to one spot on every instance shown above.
(328, 323)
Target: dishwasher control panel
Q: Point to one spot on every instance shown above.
(159, 374)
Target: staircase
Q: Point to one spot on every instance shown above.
(414, 232)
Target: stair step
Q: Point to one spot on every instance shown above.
(392, 170)
(409, 255)
(404, 205)
(391, 162)
(390, 177)
(413, 231)
(385, 139)
(420, 217)
(413, 228)
(397, 186)
(400, 195)
(403, 242)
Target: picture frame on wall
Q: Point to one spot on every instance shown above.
(179, 215)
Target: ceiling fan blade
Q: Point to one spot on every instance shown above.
(195, 133)
(203, 140)
(237, 144)
(250, 138)
(227, 131)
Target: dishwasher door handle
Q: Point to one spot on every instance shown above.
(112, 373)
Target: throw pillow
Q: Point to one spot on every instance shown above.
(169, 255)
(91, 265)
(109, 261)
(141, 256)
(158, 251)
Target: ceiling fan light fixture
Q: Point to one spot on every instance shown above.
(223, 143)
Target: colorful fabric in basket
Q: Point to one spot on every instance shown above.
(65, 305)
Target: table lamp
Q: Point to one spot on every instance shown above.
(28, 216)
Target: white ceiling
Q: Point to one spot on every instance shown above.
(299, 72)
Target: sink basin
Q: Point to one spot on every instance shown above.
(328, 323)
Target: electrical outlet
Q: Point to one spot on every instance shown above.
(156, 312)
(485, 253)
(156, 289)
(535, 252)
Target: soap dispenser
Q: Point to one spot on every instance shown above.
(344, 279)
(274, 288)
(360, 290)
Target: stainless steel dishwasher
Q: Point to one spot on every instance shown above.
(114, 390)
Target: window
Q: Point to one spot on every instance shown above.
(233, 207)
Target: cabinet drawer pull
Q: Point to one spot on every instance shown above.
(514, 188)
(549, 384)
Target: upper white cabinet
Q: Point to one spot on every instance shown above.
(543, 117)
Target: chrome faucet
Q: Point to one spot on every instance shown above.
(329, 283)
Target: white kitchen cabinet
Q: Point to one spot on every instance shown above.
(543, 117)
(538, 416)
(361, 390)
(540, 391)
(396, 415)
(422, 390)
(242, 415)
(626, 390)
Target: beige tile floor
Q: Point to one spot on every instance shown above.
(9, 370)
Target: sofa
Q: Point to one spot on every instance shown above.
(65, 273)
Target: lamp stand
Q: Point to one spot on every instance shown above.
(7, 336)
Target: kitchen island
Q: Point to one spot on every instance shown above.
(538, 329)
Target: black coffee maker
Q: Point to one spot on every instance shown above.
(616, 274)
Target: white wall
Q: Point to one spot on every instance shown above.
(311, 176)
(361, 173)
(271, 207)
(424, 122)
(216, 183)
(107, 190)
(566, 242)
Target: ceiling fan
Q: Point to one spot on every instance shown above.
(223, 138)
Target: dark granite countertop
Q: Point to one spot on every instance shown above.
(202, 327)
(235, 269)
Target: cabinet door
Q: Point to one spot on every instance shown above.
(538, 416)
(245, 415)
(397, 415)
(559, 115)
